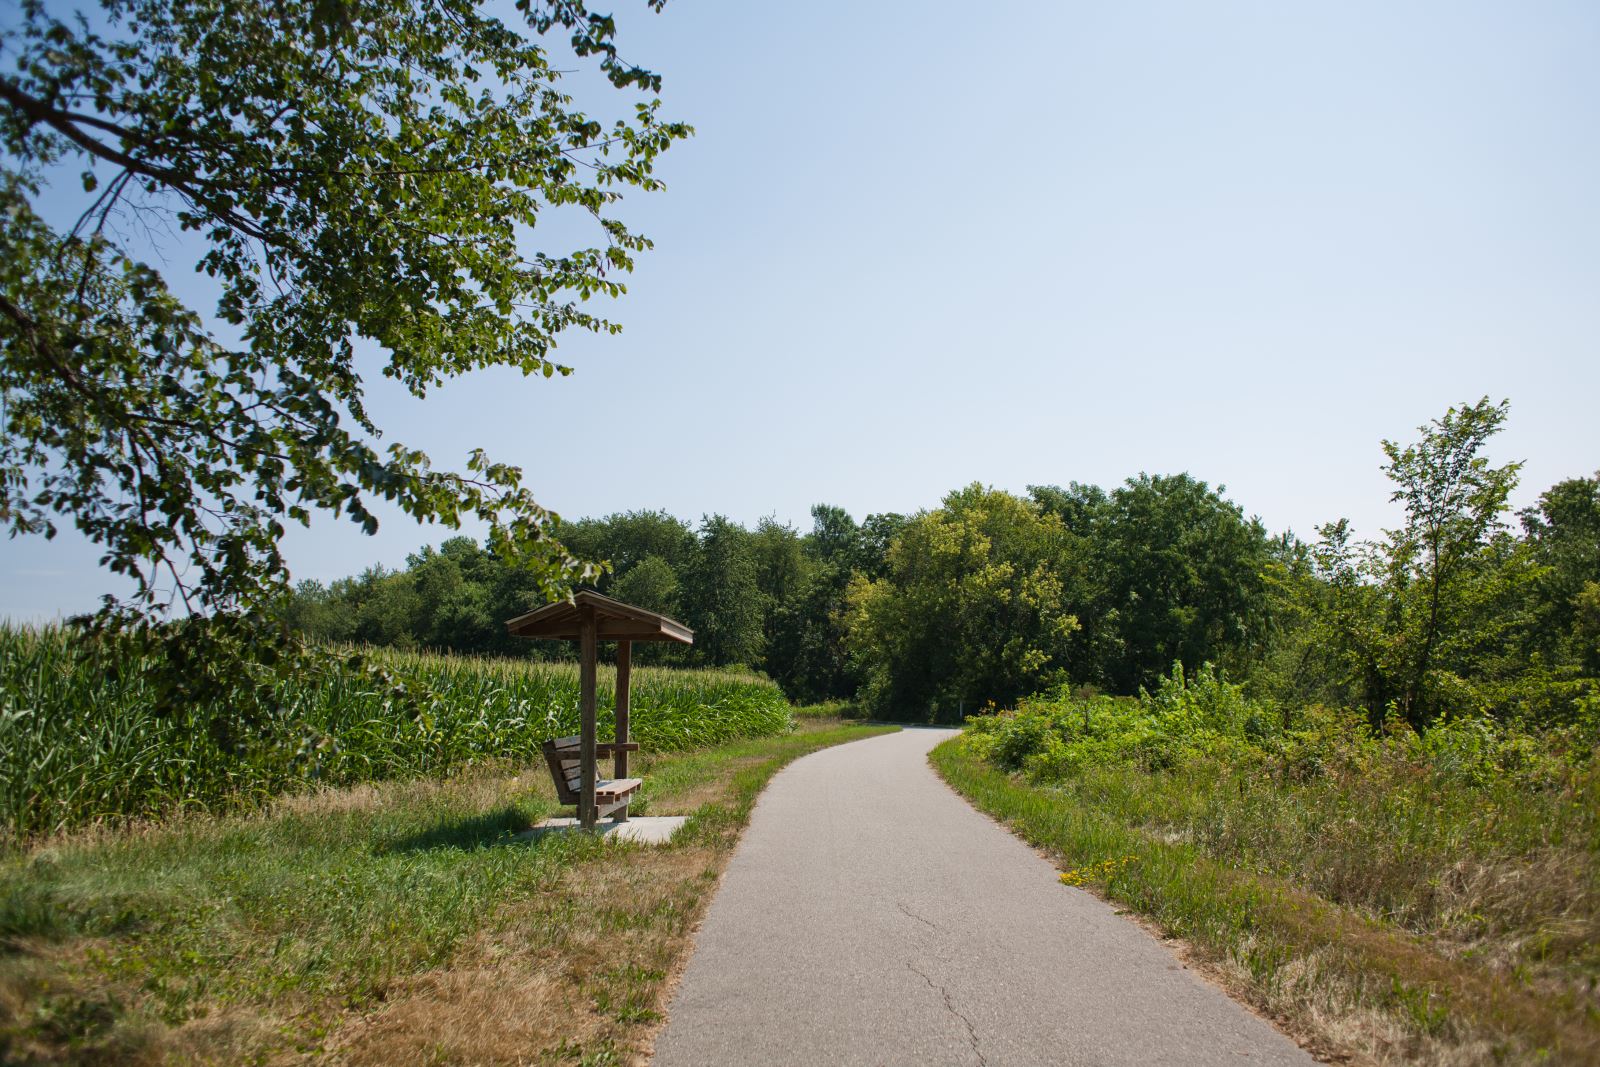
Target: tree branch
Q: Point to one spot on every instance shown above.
(66, 124)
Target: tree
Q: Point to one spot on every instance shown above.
(970, 608)
(1299, 663)
(784, 574)
(625, 539)
(1564, 528)
(1453, 500)
(650, 584)
(354, 172)
(835, 539)
(1096, 648)
(1078, 506)
(1421, 613)
(877, 535)
(381, 607)
(454, 599)
(1181, 578)
(721, 599)
(811, 661)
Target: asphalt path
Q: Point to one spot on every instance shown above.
(871, 916)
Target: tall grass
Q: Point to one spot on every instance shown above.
(1348, 981)
(1478, 836)
(81, 739)
(1449, 881)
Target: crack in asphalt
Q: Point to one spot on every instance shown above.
(908, 913)
(949, 1006)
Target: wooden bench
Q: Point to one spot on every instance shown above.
(563, 755)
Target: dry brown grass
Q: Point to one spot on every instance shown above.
(482, 784)
(581, 971)
(37, 981)
(1326, 993)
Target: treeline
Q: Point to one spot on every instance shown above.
(993, 596)
(771, 598)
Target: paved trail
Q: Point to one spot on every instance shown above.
(870, 916)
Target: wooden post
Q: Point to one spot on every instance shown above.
(624, 666)
(588, 639)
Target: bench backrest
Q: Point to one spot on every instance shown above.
(564, 755)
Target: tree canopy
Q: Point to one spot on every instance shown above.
(972, 607)
(356, 174)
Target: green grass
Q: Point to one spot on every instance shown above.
(80, 741)
(1379, 909)
(269, 934)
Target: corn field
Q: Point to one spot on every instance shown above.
(80, 740)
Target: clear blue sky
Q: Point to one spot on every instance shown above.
(917, 245)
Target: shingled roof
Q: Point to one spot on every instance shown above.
(615, 621)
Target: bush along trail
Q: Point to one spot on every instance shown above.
(1396, 896)
(391, 922)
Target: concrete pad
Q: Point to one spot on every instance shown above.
(645, 829)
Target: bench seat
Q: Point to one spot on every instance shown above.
(616, 788)
(566, 768)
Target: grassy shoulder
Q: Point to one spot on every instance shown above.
(389, 922)
(1328, 931)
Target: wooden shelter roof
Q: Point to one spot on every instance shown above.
(615, 621)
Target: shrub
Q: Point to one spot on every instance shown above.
(1204, 717)
(1057, 734)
